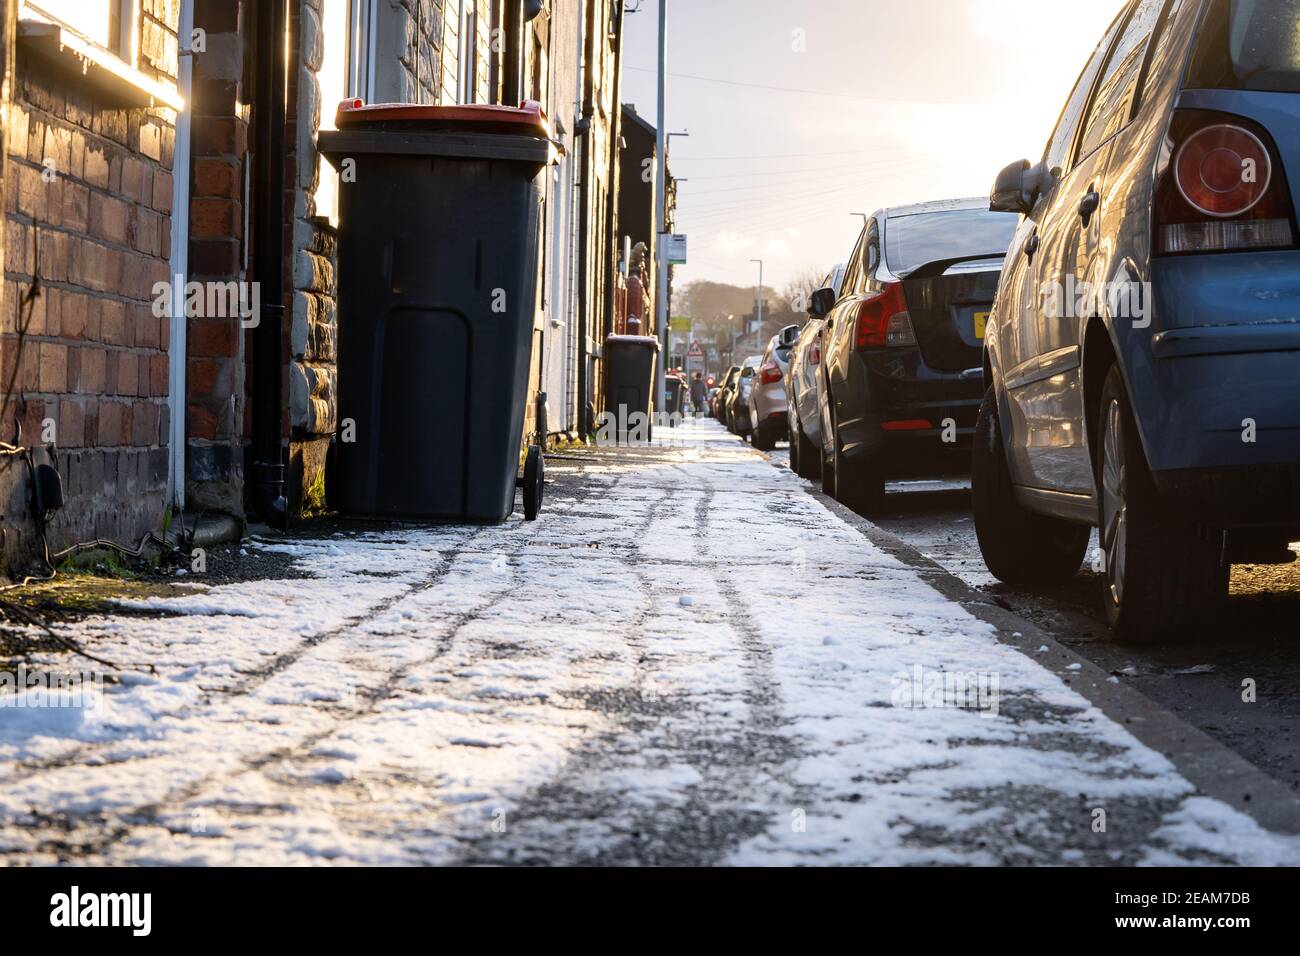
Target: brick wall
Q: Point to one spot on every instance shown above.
(215, 373)
(88, 207)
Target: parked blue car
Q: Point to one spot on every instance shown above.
(1143, 356)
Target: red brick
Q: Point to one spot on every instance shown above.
(214, 218)
(72, 425)
(112, 323)
(28, 371)
(213, 338)
(109, 431)
(53, 311)
(76, 206)
(107, 218)
(73, 322)
(96, 165)
(54, 367)
(92, 367)
(128, 373)
(144, 425)
(162, 191)
(216, 136)
(215, 178)
(158, 375)
(146, 325)
(32, 193)
(201, 423)
(133, 174)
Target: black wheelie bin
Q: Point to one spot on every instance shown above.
(439, 216)
(629, 385)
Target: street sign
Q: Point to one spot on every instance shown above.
(681, 323)
(674, 249)
(694, 359)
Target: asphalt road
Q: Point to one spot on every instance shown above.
(1202, 682)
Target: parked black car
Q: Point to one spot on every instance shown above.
(901, 352)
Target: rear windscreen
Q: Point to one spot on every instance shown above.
(915, 240)
(1248, 45)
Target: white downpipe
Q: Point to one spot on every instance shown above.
(180, 267)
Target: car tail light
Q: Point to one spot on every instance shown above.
(815, 354)
(883, 320)
(907, 425)
(1224, 188)
(770, 374)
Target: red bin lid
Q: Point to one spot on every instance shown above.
(525, 120)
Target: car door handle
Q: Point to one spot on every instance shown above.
(1031, 247)
(1088, 206)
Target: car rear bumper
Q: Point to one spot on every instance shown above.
(1221, 398)
(886, 393)
(1246, 496)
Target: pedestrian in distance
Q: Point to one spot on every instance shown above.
(699, 394)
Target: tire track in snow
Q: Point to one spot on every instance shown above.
(583, 817)
(251, 680)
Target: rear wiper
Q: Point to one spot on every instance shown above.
(937, 268)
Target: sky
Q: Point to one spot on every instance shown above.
(836, 107)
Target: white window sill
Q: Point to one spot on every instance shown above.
(115, 82)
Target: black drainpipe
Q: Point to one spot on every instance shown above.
(585, 424)
(615, 186)
(268, 269)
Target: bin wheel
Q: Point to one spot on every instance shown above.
(534, 482)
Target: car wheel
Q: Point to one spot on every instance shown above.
(858, 485)
(809, 456)
(1166, 577)
(1020, 547)
(792, 426)
(764, 439)
(824, 455)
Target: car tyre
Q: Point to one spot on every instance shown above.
(859, 486)
(1020, 547)
(764, 439)
(1165, 576)
(805, 457)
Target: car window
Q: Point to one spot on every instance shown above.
(1111, 106)
(914, 240)
(873, 247)
(852, 281)
(1162, 41)
(1248, 45)
(1058, 148)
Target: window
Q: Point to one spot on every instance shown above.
(346, 70)
(1058, 149)
(921, 238)
(1158, 54)
(111, 24)
(467, 52)
(852, 283)
(1249, 45)
(1114, 100)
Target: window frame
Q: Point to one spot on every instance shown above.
(124, 13)
(1069, 157)
(1089, 111)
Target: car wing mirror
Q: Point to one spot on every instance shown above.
(1018, 187)
(821, 303)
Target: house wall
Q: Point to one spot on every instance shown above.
(216, 404)
(88, 199)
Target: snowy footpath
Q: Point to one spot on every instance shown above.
(686, 660)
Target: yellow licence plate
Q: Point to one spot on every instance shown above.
(981, 323)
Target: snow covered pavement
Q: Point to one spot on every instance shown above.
(686, 660)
